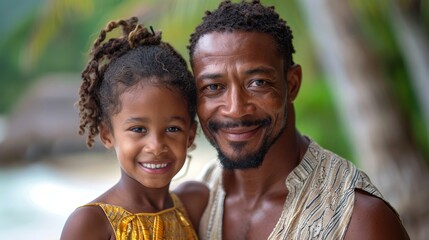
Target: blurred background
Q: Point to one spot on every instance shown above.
(364, 96)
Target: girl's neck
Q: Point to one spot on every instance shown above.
(135, 197)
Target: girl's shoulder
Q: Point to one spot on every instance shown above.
(87, 222)
(194, 196)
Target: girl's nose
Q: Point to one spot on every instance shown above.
(155, 146)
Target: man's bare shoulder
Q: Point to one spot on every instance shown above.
(87, 222)
(373, 218)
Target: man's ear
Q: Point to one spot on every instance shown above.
(294, 79)
(106, 136)
(192, 135)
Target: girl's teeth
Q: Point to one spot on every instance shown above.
(154, 166)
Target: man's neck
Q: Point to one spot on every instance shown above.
(268, 179)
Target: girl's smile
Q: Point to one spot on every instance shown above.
(150, 142)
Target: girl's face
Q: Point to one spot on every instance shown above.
(150, 134)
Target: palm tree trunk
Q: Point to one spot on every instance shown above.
(410, 35)
(379, 131)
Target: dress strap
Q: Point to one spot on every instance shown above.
(183, 215)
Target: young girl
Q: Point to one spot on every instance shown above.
(139, 96)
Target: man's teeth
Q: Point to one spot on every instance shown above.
(154, 166)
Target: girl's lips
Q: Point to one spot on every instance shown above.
(155, 167)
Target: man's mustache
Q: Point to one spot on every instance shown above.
(216, 125)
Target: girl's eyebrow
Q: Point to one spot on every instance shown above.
(146, 120)
(136, 119)
(179, 118)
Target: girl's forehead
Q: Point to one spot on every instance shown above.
(153, 102)
(156, 93)
(141, 82)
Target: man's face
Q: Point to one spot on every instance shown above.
(241, 83)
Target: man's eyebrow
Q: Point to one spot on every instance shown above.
(266, 70)
(259, 70)
(209, 76)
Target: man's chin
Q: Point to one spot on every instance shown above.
(241, 162)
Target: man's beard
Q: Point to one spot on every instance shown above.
(245, 160)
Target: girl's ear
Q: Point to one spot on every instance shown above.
(192, 135)
(106, 136)
(294, 79)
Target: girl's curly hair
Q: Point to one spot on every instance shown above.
(119, 63)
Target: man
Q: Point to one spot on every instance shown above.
(274, 182)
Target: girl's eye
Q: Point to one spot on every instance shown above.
(172, 129)
(138, 130)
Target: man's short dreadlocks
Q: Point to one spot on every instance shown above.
(246, 16)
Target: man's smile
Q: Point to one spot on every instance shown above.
(239, 133)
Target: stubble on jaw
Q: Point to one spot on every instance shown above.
(246, 161)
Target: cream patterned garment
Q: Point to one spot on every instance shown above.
(319, 204)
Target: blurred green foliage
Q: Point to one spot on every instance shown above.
(55, 35)
(375, 22)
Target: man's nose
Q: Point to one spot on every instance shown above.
(237, 103)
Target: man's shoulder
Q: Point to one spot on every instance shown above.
(329, 168)
(326, 159)
(374, 217)
(319, 159)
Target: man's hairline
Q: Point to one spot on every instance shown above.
(232, 31)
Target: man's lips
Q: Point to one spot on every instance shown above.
(239, 134)
(238, 131)
(243, 124)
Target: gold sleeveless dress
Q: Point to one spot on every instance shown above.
(171, 223)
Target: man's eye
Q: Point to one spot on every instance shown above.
(172, 129)
(138, 130)
(213, 87)
(258, 83)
